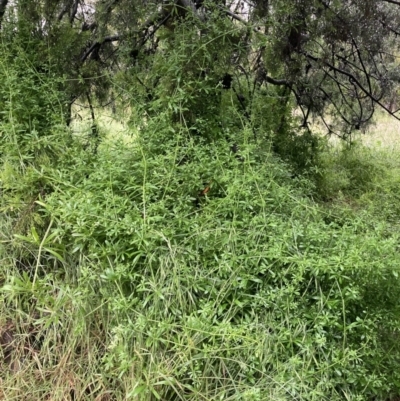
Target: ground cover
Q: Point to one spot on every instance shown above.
(212, 278)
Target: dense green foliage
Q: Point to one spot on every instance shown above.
(212, 251)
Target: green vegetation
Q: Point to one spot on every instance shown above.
(206, 245)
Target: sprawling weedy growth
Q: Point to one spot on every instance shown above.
(190, 262)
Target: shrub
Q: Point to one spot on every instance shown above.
(242, 291)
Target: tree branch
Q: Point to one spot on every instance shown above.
(96, 44)
(392, 2)
(234, 16)
(353, 79)
(64, 11)
(88, 27)
(274, 81)
(187, 4)
(3, 6)
(74, 11)
(159, 19)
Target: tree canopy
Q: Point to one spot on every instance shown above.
(336, 58)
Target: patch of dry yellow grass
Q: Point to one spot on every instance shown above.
(384, 133)
(112, 126)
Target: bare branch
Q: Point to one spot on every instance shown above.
(240, 19)
(274, 81)
(95, 45)
(74, 11)
(88, 27)
(392, 2)
(63, 11)
(159, 19)
(355, 81)
(235, 16)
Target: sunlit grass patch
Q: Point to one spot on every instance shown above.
(112, 126)
(384, 133)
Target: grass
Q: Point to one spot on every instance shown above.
(383, 134)
(111, 125)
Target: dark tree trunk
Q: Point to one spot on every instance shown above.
(3, 6)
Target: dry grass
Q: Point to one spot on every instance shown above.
(112, 126)
(47, 361)
(384, 133)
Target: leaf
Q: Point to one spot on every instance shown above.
(51, 236)
(55, 254)
(23, 238)
(41, 204)
(158, 396)
(35, 235)
(137, 390)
